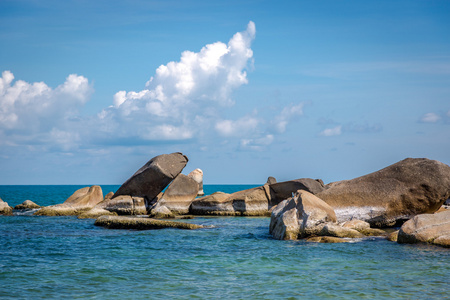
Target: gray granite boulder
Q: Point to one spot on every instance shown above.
(392, 195)
(427, 228)
(153, 177)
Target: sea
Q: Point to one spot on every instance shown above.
(233, 258)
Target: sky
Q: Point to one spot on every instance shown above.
(92, 90)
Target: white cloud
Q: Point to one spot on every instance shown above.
(430, 118)
(32, 110)
(186, 96)
(332, 131)
(257, 144)
(286, 115)
(240, 127)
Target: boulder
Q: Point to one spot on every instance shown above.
(197, 175)
(300, 216)
(121, 222)
(391, 195)
(283, 190)
(5, 209)
(214, 204)
(427, 228)
(82, 200)
(161, 212)
(393, 236)
(364, 228)
(27, 204)
(153, 177)
(124, 205)
(179, 194)
(271, 180)
(110, 195)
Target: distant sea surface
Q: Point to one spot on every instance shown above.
(64, 257)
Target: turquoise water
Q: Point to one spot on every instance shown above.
(63, 257)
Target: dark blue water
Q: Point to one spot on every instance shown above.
(63, 257)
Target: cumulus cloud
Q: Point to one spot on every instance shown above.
(289, 112)
(187, 91)
(332, 131)
(430, 118)
(30, 110)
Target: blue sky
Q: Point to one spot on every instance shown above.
(91, 90)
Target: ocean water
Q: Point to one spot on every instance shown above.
(63, 257)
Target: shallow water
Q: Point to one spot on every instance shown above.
(63, 257)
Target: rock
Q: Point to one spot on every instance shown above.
(110, 195)
(214, 204)
(180, 194)
(339, 231)
(197, 175)
(300, 216)
(27, 204)
(356, 224)
(427, 228)
(124, 205)
(271, 180)
(394, 194)
(326, 239)
(96, 212)
(82, 200)
(153, 177)
(5, 209)
(283, 190)
(121, 222)
(393, 236)
(161, 212)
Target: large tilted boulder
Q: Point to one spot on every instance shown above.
(153, 177)
(27, 204)
(394, 194)
(179, 195)
(427, 228)
(197, 175)
(5, 209)
(255, 201)
(80, 201)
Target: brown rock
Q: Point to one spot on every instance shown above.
(82, 200)
(27, 204)
(427, 228)
(214, 204)
(283, 190)
(394, 194)
(109, 196)
(5, 209)
(179, 194)
(153, 177)
(393, 236)
(271, 180)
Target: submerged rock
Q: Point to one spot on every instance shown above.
(179, 194)
(80, 201)
(197, 175)
(394, 194)
(121, 222)
(5, 209)
(153, 177)
(27, 204)
(326, 239)
(427, 228)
